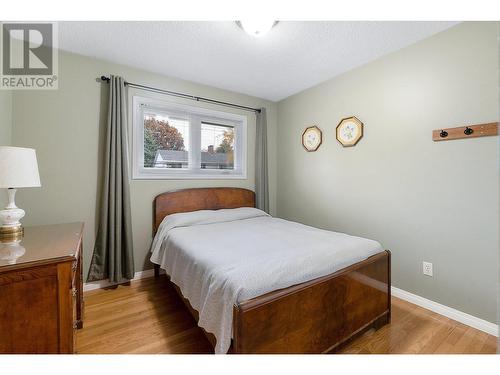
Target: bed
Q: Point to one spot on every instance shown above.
(275, 311)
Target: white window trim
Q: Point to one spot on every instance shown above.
(239, 123)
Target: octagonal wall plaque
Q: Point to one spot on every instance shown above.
(349, 131)
(312, 138)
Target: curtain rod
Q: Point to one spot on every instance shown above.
(186, 96)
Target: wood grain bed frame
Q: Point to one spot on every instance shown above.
(317, 316)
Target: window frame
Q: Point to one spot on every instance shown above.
(196, 116)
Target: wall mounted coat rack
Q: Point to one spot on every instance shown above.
(468, 131)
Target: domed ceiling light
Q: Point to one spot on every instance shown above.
(256, 27)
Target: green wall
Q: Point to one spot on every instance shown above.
(425, 201)
(5, 130)
(5, 117)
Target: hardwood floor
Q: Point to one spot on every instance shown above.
(147, 316)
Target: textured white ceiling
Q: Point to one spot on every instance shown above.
(293, 56)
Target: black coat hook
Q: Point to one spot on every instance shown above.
(468, 131)
(443, 134)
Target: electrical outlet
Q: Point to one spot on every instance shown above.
(427, 268)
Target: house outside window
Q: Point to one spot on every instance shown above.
(174, 141)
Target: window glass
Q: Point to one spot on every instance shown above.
(166, 142)
(217, 146)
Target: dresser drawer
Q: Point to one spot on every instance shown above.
(40, 294)
(29, 311)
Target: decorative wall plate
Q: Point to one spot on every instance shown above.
(349, 131)
(312, 138)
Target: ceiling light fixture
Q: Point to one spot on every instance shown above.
(256, 27)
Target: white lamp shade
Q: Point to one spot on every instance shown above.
(18, 167)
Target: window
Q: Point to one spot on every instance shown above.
(174, 141)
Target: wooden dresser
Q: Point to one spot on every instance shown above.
(41, 290)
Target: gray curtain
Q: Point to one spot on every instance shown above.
(113, 253)
(261, 174)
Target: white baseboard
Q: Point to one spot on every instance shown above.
(449, 312)
(105, 283)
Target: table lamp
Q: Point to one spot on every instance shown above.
(18, 169)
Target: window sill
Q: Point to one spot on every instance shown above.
(188, 176)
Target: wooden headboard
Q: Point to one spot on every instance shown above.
(186, 200)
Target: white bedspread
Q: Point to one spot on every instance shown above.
(219, 258)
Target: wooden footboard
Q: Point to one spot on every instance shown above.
(316, 316)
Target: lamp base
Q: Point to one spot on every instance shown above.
(10, 250)
(10, 226)
(11, 232)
